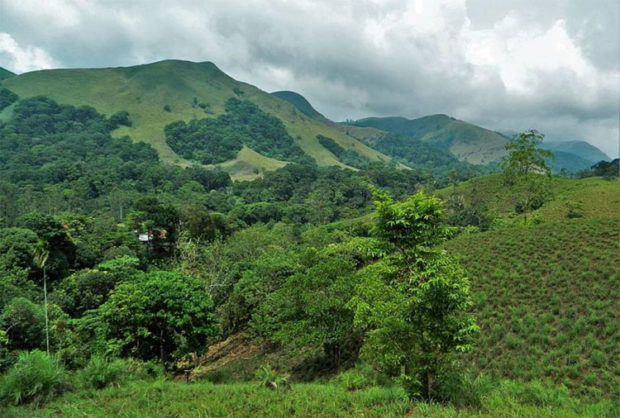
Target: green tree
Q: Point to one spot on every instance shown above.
(525, 156)
(162, 315)
(526, 171)
(41, 254)
(415, 302)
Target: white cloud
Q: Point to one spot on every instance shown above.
(21, 59)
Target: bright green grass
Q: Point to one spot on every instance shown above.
(204, 399)
(546, 299)
(144, 90)
(600, 198)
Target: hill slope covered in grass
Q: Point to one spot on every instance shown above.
(299, 102)
(158, 94)
(465, 141)
(546, 292)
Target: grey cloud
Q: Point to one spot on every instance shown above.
(359, 58)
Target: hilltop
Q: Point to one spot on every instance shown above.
(158, 94)
(4, 73)
(299, 102)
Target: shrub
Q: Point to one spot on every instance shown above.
(34, 378)
(101, 372)
(270, 378)
(353, 379)
(537, 393)
(462, 389)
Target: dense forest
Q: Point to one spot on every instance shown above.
(119, 268)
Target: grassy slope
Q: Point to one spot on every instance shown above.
(144, 90)
(547, 295)
(299, 102)
(467, 142)
(4, 73)
(204, 399)
(600, 198)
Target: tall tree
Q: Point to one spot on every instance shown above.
(41, 254)
(526, 171)
(415, 302)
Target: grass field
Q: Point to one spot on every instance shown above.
(546, 293)
(205, 399)
(599, 198)
(180, 86)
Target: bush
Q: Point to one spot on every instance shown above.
(34, 378)
(356, 379)
(101, 372)
(462, 389)
(270, 378)
(537, 393)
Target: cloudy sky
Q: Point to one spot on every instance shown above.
(553, 65)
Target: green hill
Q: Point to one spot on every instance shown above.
(567, 161)
(546, 292)
(299, 102)
(581, 149)
(4, 73)
(158, 94)
(465, 141)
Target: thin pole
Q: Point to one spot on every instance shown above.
(47, 330)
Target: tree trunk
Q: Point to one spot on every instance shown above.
(429, 384)
(161, 346)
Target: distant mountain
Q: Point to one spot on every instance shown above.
(299, 102)
(4, 73)
(160, 93)
(581, 149)
(568, 162)
(465, 141)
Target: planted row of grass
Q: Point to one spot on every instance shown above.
(547, 302)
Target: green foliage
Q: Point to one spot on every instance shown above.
(605, 169)
(23, 322)
(211, 141)
(101, 372)
(525, 166)
(120, 118)
(415, 305)
(169, 398)
(35, 377)
(345, 156)
(7, 97)
(62, 158)
(525, 156)
(270, 378)
(574, 209)
(309, 309)
(411, 226)
(161, 315)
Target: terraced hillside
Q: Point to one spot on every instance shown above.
(546, 293)
(167, 91)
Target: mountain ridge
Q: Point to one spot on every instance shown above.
(163, 92)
